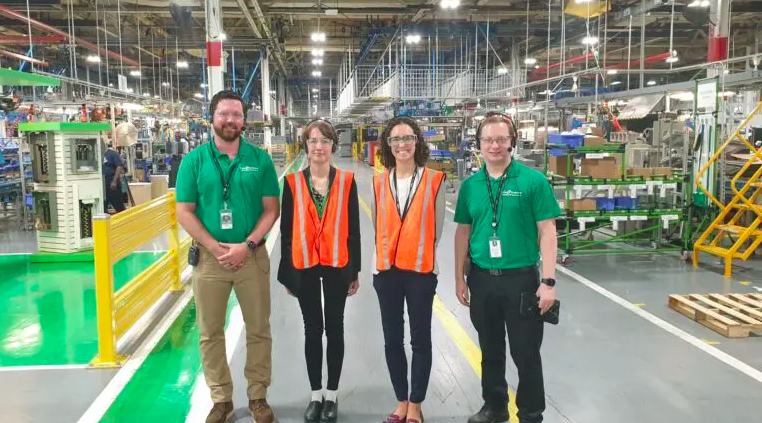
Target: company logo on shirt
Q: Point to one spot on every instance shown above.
(249, 168)
(511, 193)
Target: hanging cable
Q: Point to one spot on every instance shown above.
(31, 47)
(629, 53)
(105, 40)
(98, 42)
(140, 63)
(119, 34)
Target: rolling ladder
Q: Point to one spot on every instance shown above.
(729, 222)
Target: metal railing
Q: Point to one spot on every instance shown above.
(451, 83)
(310, 108)
(116, 238)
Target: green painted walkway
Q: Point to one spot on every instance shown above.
(49, 309)
(170, 371)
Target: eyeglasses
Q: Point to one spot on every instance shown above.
(498, 140)
(316, 141)
(227, 115)
(407, 139)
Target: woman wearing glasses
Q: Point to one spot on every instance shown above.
(408, 215)
(320, 251)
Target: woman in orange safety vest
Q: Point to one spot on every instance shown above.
(408, 215)
(320, 247)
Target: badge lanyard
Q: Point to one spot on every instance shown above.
(226, 215)
(409, 193)
(494, 242)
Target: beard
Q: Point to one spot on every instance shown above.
(227, 132)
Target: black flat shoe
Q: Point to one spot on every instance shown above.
(330, 412)
(312, 413)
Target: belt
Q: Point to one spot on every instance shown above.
(503, 272)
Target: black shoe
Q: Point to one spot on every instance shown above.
(312, 413)
(330, 412)
(490, 415)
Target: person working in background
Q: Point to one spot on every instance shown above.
(113, 168)
(408, 215)
(501, 213)
(227, 200)
(320, 248)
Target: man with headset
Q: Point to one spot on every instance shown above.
(227, 200)
(506, 218)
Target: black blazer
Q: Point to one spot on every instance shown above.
(290, 277)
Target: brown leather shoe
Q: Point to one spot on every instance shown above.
(261, 411)
(221, 412)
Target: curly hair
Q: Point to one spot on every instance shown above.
(384, 152)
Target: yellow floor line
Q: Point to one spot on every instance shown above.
(460, 337)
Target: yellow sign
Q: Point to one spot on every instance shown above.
(585, 9)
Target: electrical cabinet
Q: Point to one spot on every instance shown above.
(68, 183)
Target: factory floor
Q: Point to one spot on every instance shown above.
(619, 353)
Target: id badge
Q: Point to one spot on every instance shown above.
(495, 251)
(226, 219)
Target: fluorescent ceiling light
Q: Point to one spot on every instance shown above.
(317, 61)
(590, 40)
(530, 61)
(314, 90)
(182, 64)
(316, 73)
(413, 39)
(651, 82)
(318, 37)
(502, 70)
(449, 4)
(612, 72)
(616, 83)
(165, 84)
(135, 72)
(317, 52)
(93, 59)
(198, 95)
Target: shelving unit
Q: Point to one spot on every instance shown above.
(15, 175)
(627, 209)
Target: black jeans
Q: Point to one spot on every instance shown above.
(395, 287)
(313, 310)
(495, 308)
(113, 196)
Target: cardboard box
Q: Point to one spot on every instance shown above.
(605, 168)
(594, 141)
(662, 171)
(583, 204)
(645, 172)
(559, 165)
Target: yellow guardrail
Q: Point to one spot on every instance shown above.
(117, 237)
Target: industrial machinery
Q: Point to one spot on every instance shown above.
(68, 186)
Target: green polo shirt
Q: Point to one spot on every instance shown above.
(199, 182)
(526, 198)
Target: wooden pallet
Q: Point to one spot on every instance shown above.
(731, 315)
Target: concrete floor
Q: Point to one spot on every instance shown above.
(608, 360)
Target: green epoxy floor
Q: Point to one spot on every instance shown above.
(49, 309)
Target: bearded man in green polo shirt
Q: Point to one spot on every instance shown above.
(506, 218)
(228, 200)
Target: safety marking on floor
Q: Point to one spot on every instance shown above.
(711, 342)
(459, 336)
(43, 367)
(685, 336)
(745, 283)
(201, 400)
(639, 305)
(757, 288)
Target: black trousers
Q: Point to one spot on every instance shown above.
(395, 288)
(495, 309)
(313, 312)
(114, 197)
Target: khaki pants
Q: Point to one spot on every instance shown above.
(212, 284)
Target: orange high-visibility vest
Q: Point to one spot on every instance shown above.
(320, 241)
(407, 245)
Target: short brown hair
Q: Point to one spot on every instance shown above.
(324, 127)
(384, 152)
(497, 117)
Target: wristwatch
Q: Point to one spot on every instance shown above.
(252, 245)
(549, 281)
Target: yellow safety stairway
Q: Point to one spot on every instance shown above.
(728, 223)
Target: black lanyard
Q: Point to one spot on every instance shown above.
(409, 193)
(494, 202)
(225, 182)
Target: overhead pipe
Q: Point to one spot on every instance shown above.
(16, 40)
(650, 59)
(574, 60)
(4, 11)
(23, 58)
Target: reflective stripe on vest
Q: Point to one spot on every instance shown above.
(407, 245)
(315, 240)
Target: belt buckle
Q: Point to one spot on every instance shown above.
(495, 272)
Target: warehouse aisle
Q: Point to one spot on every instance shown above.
(602, 362)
